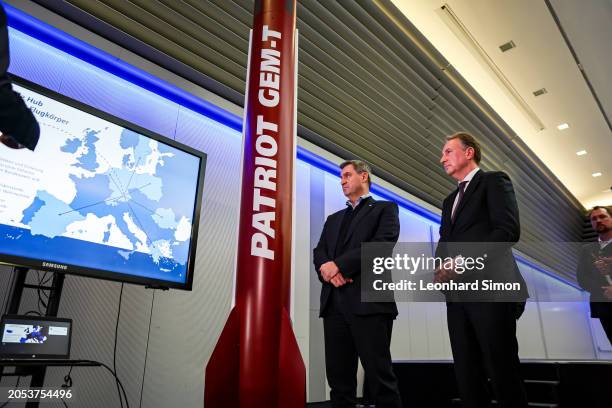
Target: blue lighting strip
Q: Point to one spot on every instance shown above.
(539, 268)
(56, 38)
(332, 168)
(407, 204)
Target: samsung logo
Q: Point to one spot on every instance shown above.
(54, 265)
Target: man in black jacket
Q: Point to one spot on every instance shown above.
(481, 217)
(18, 128)
(354, 329)
(595, 268)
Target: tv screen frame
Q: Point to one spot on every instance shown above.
(35, 319)
(45, 265)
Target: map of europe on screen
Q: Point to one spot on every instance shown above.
(97, 195)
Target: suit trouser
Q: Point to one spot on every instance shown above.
(349, 337)
(484, 345)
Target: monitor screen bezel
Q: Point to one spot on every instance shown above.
(52, 266)
(41, 319)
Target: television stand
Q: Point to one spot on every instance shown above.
(16, 293)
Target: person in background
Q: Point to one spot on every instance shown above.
(18, 127)
(594, 272)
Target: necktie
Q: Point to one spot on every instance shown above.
(461, 191)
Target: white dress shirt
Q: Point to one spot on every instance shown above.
(467, 178)
(359, 200)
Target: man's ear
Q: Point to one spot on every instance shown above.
(469, 152)
(364, 177)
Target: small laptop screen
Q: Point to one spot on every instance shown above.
(35, 337)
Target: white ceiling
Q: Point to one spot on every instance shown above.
(541, 59)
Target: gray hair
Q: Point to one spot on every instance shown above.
(468, 140)
(360, 167)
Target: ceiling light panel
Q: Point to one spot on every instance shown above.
(540, 92)
(507, 46)
(563, 126)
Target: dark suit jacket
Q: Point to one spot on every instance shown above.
(16, 120)
(487, 215)
(591, 280)
(377, 221)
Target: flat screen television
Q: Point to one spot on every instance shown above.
(99, 197)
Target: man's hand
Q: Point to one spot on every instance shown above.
(9, 142)
(339, 280)
(444, 275)
(328, 270)
(330, 273)
(446, 272)
(603, 265)
(607, 292)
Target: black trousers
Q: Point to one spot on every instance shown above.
(349, 338)
(484, 345)
(606, 323)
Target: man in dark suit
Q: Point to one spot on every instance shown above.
(595, 268)
(481, 214)
(354, 329)
(18, 127)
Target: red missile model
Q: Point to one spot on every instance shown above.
(256, 362)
